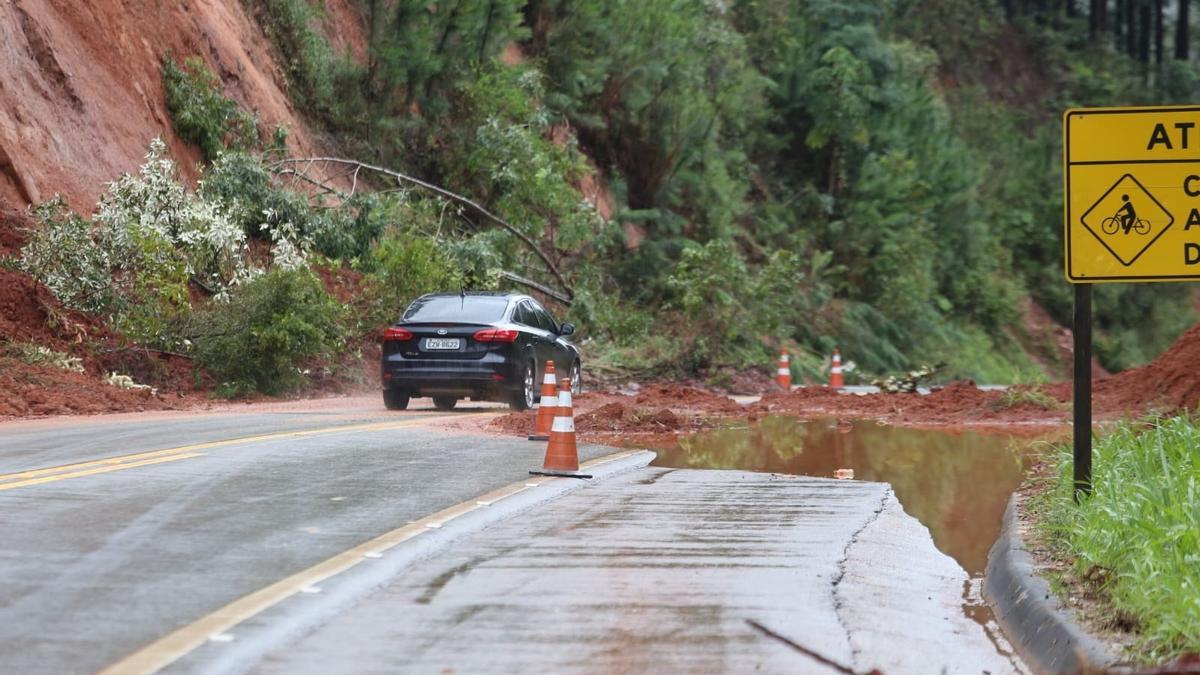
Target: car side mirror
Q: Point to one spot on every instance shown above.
(566, 329)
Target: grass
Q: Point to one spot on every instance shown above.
(1137, 537)
(1031, 396)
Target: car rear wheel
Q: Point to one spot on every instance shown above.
(394, 399)
(523, 398)
(444, 402)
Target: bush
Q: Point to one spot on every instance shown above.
(404, 266)
(200, 114)
(270, 328)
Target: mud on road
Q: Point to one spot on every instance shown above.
(658, 413)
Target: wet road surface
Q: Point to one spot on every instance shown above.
(660, 570)
(100, 558)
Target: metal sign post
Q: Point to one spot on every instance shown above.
(1082, 394)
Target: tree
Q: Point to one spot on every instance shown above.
(1182, 20)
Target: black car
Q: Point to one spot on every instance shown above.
(483, 345)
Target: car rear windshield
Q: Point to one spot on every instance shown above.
(471, 308)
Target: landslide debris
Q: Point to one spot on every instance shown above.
(30, 317)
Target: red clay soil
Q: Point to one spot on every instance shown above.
(684, 397)
(659, 408)
(29, 314)
(1170, 383)
(959, 404)
(84, 93)
(12, 230)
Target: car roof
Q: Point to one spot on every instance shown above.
(487, 294)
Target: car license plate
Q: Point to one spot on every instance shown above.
(441, 343)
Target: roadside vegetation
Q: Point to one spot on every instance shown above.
(708, 181)
(1136, 539)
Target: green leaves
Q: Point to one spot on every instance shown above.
(201, 114)
(262, 339)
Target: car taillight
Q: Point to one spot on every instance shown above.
(496, 335)
(397, 335)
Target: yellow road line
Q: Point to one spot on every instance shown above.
(127, 461)
(103, 469)
(170, 648)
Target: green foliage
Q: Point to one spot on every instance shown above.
(201, 114)
(1028, 396)
(315, 73)
(419, 56)
(881, 158)
(271, 327)
(403, 267)
(63, 255)
(33, 354)
(133, 261)
(242, 186)
(1139, 532)
(512, 158)
(663, 91)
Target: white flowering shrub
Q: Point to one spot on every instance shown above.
(133, 260)
(63, 255)
(139, 211)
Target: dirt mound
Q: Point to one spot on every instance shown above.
(1168, 384)
(29, 312)
(31, 317)
(36, 390)
(625, 418)
(678, 396)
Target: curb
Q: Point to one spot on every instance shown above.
(1039, 627)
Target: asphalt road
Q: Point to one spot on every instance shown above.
(101, 556)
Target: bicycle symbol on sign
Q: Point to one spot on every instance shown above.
(1125, 219)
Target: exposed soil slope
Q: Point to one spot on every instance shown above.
(82, 89)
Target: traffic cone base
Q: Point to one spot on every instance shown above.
(548, 407)
(562, 455)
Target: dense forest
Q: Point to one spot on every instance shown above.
(703, 180)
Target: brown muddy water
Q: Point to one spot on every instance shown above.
(956, 484)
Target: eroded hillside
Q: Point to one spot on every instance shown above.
(82, 90)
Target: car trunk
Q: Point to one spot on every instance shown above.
(442, 341)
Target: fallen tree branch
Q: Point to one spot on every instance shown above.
(115, 350)
(819, 658)
(401, 178)
(530, 283)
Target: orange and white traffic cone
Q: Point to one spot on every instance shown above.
(783, 376)
(562, 455)
(835, 371)
(548, 407)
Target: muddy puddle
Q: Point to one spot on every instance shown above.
(956, 483)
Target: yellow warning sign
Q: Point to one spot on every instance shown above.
(1132, 197)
